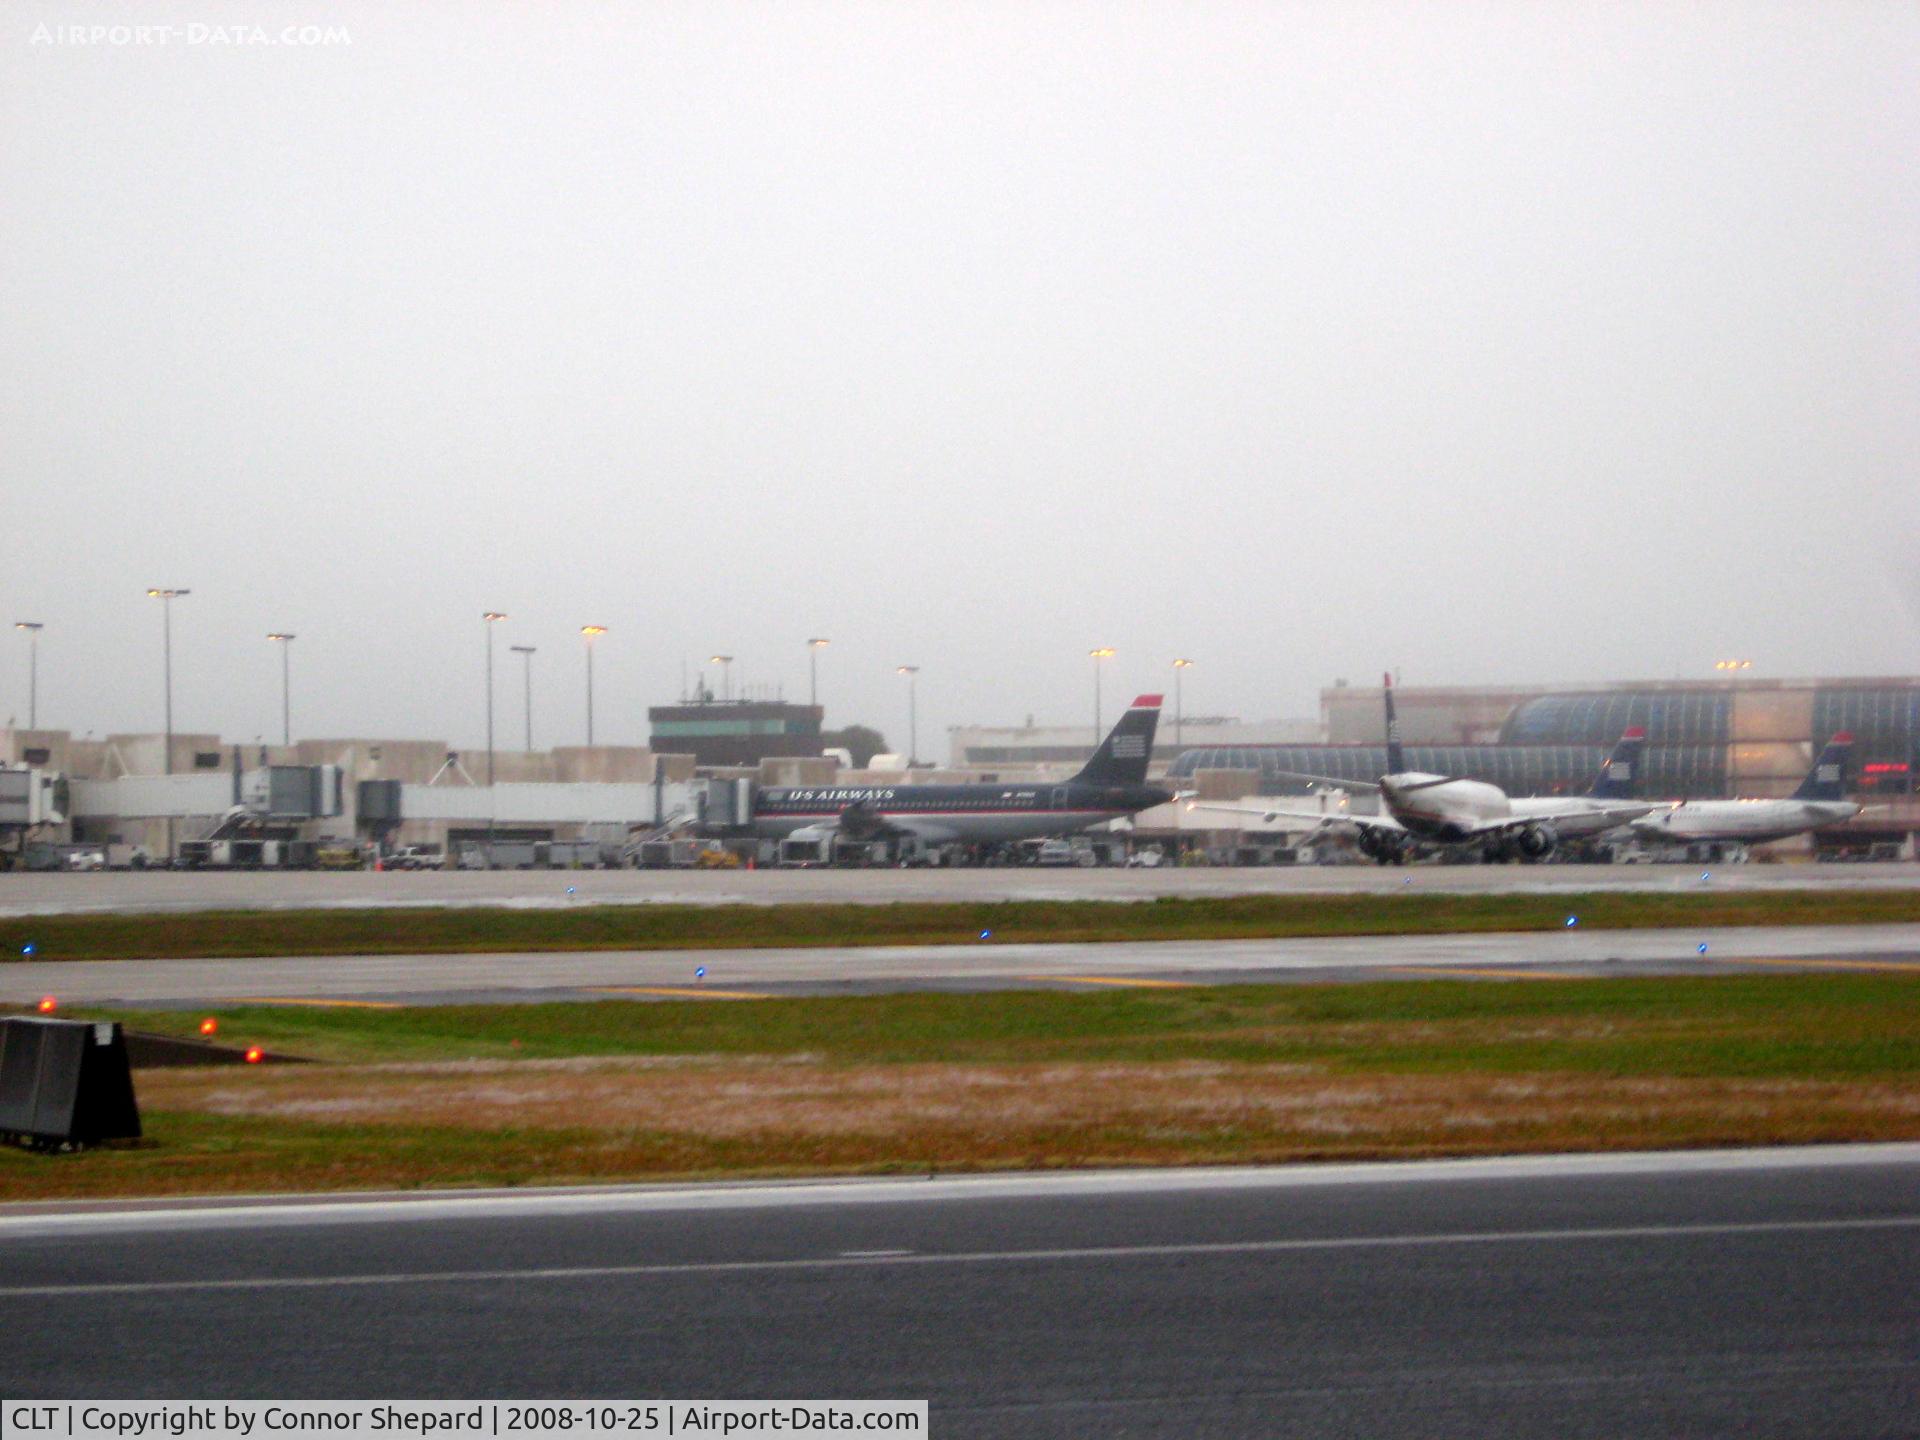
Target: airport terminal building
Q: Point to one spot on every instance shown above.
(1706, 739)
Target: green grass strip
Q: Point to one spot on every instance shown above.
(1825, 1025)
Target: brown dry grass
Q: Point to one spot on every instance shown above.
(562, 1094)
(979, 1114)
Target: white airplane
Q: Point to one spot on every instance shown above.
(1820, 800)
(1446, 810)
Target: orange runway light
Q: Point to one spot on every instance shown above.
(48, 1004)
(255, 1055)
(209, 1025)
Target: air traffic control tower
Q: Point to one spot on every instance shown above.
(736, 732)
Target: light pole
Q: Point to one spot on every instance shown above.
(725, 662)
(527, 652)
(912, 672)
(33, 629)
(1105, 652)
(492, 618)
(813, 672)
(590, 633)
(1178, 708)
(286, 685)
(166, 597)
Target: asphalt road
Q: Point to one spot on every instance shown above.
(735, 974)
(39, 893)
(1765, 1293)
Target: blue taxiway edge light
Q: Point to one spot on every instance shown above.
(1701, 948)
(986, 934)
(1572, 920)
(28, 949)
(699, 972)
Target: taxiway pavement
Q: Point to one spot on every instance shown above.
(741, 974)
(134, 891)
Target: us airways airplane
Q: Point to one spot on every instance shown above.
(1445, 810)
(1820, 800)
(1112, 784)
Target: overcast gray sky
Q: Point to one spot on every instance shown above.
(1497, 342)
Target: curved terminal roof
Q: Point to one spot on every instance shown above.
(1685, 717)
(1885, 718)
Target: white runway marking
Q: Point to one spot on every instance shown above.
(261, 1212)
(977, 1257)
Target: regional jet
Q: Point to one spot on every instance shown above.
(1821, 800)
(1446, 810)
(1110, 785)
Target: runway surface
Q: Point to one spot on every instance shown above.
(1760, 1293)
(738, 974)
(41, 893)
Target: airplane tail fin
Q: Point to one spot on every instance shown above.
(1827, 780)
(1396, 756)
(1620, 772)
(1123, 755)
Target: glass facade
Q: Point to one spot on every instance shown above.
(1678, 717)
(1886, 728)
(1878, 718)
(1684, 772)
(736, 732)
(1679, 771)
(673, 729)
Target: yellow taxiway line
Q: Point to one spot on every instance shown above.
(685, 992)
(1112, 980)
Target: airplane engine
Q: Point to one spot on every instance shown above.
(1535, 842)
